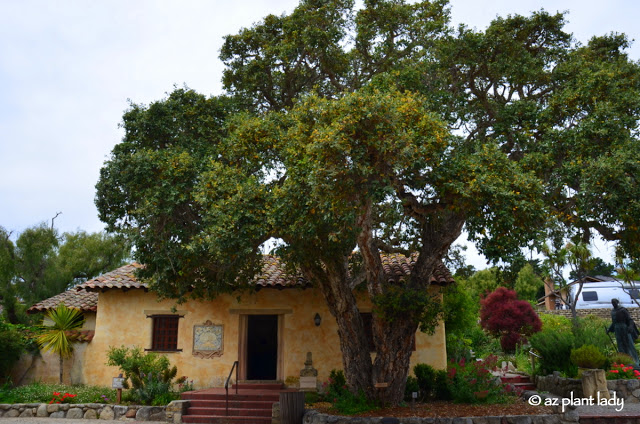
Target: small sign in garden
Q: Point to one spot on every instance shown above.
(118, 383)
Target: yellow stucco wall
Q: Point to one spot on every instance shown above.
(122, 321)
(45, 367)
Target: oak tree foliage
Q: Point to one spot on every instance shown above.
(378, 130)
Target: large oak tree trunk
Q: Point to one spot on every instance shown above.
(356, 358)
(391, 366)
(393, 339)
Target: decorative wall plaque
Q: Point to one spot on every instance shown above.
(208, 340)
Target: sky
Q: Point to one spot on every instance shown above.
(69, 68)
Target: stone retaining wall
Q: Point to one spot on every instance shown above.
(604, 313)
(86, 411)
(629, 390)
(559, 385)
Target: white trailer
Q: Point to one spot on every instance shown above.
(599, 294)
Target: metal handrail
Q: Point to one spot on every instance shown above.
(226, 385)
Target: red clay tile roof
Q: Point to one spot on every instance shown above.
(275, 275)
(398, 268)
(121, 278)
(80, 299)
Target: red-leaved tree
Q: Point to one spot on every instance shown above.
(504, 316)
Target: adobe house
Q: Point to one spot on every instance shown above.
(268, 330)
(46, 367)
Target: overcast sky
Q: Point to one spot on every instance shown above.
(67, 69)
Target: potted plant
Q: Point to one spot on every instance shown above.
(587, 357)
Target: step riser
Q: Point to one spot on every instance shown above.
(234, 397)
(515, 380)
(232, 404)
(225, 420)
(258, 386)
(232, 412)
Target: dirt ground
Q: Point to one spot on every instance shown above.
(448, 409)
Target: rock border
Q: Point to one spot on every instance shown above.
(84, 411)
(629, 390)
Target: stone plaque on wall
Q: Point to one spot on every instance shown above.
(208, 340)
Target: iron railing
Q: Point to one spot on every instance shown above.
(226, 385)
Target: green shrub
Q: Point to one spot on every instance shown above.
(163, 399)
(552, 322)
(311, 397)
(337, 392)
(426, 377)
(620, 358)
(337, 380)
(473, 342)
(588, 356)
(442, 390)
(348, 403)
(458, 347)
(590, 330)
(410, 388)
(554, 345)
(483, 344)
(151, 375)
(12, 345)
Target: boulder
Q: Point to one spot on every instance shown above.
(107, 413)
(74, 413)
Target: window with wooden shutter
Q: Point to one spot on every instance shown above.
(165, 333)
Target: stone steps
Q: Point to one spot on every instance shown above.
(252, 404)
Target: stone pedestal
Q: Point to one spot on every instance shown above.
(594, 383)
(308, 376)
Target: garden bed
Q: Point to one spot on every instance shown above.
(448, 409)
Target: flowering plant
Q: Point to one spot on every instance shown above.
(184, 384)
(621, 371)
(474, 382)
(62, 398)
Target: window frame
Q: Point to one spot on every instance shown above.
(159, 336)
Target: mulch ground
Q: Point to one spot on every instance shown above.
(448, 409)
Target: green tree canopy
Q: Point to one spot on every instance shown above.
(378, 130)
(41, 263)
(481, 283)
(528, 284)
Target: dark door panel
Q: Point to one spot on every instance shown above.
(262, 347)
